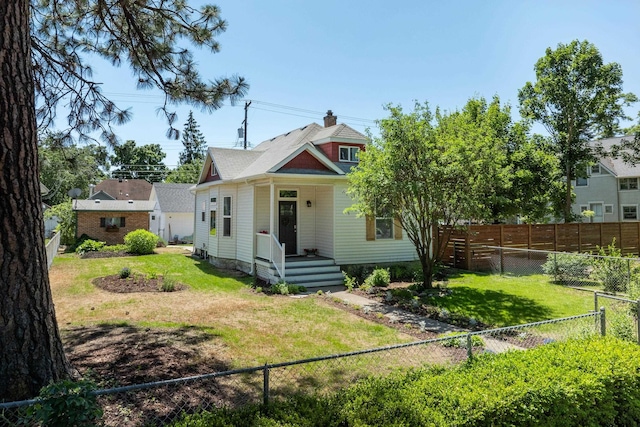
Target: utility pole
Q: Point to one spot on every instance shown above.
(246, 108)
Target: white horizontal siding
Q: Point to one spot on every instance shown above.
(324, 221)
(227, 245)
(201, 232)
(245, 233)
(351, 245)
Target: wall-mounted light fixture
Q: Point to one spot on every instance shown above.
(308, 203)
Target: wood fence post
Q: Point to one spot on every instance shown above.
(579, 237)
(467, 251)
(555, 237)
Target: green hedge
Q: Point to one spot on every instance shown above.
(577, 383)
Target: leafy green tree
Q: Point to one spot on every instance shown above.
(427, 170)
(193, 141)
(187, 173)
(66, 220)
(47, 47)
(65, 165)
(577, 97)
(139, 162)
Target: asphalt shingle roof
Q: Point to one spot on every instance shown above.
(174, 197)
(238, 164)
(114, 205)
(616, 165)
(125, 189)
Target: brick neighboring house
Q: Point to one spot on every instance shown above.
(110, 220)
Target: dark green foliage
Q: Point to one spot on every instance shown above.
(140, 242)
(567, 268)
(125, 272)
(89, 246)
(193, 141)
(139, 162)
(593, 382)
(67, 404)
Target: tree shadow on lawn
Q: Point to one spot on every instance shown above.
(122, 354)
(119, 355)
(493, 307)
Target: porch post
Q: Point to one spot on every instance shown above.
(272, 217)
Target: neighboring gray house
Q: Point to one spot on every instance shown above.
(262, 210)
(172, 218)
(611, 189)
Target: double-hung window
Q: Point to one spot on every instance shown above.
(630, 212)
(226, 216)
(628, 183)
(349, 154)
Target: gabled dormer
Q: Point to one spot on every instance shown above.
(340, 143)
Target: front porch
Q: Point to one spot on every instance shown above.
(292, 220)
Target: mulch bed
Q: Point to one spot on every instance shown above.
(133, 283)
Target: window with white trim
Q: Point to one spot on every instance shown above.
(226, 216)
(212, 223)
(595, 169)
(581, 182)
(630, 212)
(349, 154)
(608, 209)
(628, 183)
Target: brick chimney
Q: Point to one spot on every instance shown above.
(330, 119)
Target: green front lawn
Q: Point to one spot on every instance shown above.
(511, 300)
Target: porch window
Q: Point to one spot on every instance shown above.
(628, 183)
(226, 216)
(349, 154)
(630, 212)
(212, 223)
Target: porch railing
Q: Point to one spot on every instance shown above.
(277, 254)
(268, 247)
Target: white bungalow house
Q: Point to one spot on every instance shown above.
(611, 189)
(261, 211)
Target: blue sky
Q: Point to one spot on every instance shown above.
(302, 58)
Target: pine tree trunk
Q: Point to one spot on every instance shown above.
(31, 352)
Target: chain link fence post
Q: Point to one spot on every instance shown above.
(638, 319)
(603, 322)
(595, 301)
(265, 384)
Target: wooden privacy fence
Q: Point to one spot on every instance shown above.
(574, 237)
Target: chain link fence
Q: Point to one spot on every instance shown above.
(160, 403)
(614, 274)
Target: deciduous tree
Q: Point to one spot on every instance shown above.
(577, 97)
(139, 162)
(45, 49)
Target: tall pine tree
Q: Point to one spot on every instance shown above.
(45, 49)
(193, 141)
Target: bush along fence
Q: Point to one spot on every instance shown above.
(162, 402)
